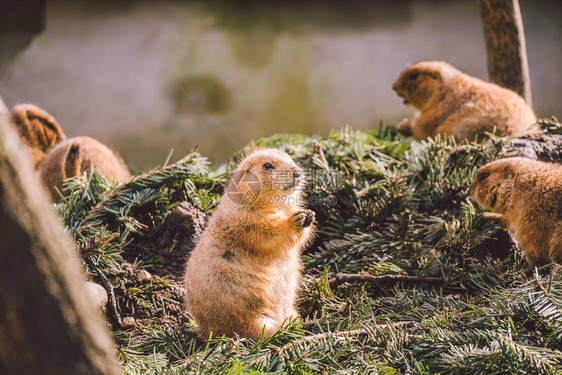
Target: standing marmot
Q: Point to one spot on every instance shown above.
(454, 103)
(243, 275)
(38, 129)
(526, 195)
(76, 155)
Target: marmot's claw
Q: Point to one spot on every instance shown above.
(303, 218)
(404, 127)
(492, 216)
(309, 219)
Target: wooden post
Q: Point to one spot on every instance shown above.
(47, 323)
(505, 45)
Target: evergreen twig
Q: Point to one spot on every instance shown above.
(339, 278)
(385, 206)
(112, 311)
(346, 334)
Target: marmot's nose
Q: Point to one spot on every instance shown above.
(394, 87)
(297, 175)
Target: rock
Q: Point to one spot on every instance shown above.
(129, 322)
(144, 275)
(97, 293)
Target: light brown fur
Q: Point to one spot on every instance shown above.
(454, 103)
(76, 155)
(243, 275)
(526, 195)
(38, 129)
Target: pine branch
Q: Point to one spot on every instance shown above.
(346, 334)
(341, 278)
(112, 311)
(548, 303)
(385, 206)
(131, 193)
(330, 335)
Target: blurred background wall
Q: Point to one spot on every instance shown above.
(146, 77)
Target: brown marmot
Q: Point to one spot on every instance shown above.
(38, 129)
(526, 195)
(454, 103)
(243, 275)
(76, 155)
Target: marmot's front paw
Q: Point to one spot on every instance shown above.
(492, 216)
(303, 219)
(404, 127)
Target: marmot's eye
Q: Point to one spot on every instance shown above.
(413, 75)
(268, 166)
(483, 176)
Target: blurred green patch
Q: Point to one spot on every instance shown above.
(201, 93)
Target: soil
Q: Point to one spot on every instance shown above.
(156, 298)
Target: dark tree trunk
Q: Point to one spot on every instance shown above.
(47, 323)
(20, 22)
(505, 45)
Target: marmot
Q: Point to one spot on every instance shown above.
(526, 195)
(76, 155)
(38, 129)
(242, 277)
(454, 103)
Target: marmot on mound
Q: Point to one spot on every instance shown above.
(243, 275)
(526, 195)
(454, 103)
(76, 155)
(38, 129)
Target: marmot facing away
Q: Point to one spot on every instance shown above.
(454, 103)
(526, 195)
(76, 155)
(38, 129)
(243, 275)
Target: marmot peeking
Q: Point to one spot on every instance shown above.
(76, 155)
(38, 129)
(526, 195)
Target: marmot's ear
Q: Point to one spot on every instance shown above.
(73, 161)
(19, 119)
(36, 126)
(436, 75)
(508, 172)
(52, 130)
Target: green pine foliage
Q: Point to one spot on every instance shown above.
(385, 206)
